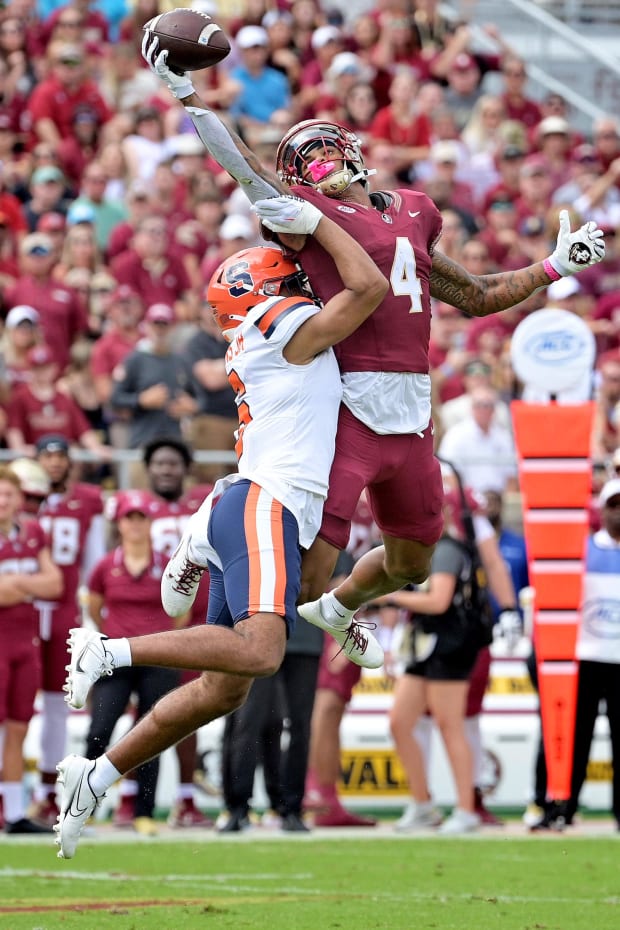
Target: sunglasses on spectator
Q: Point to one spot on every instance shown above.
(69, 62)
(613, 504)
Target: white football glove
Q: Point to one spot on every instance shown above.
(179, 85)
(578, 250)
(509, 628)
(288, 215)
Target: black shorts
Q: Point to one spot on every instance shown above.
(456, 666)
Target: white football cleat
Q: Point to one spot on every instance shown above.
(179, 583)
(418, 816)
(89, 662)
(77, 803)
(355, 640)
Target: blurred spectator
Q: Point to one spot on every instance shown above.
(216, 421)
(124, 600)
(126, 84)
(106, 213)
(54, 225)
(119, 338)
(21, 333)
(18, 60)
(77, 382)
(534, 188)
(476, 373)
(508, 162)
(606, 139)
(153, 386)
(236, 232)
(76, 151)
(600, 198)
(383, 159)
(145, 146)
(444, 161)
(398, 123)
(54, 100)
(585, 165)
(139, 205)
(22, 581)
(78, 20)
(399, 44)
(62, 316)
(517, 105)
(101, 287)
(149, 268)
(345, 70)
(453, 233)
(72, 517)
(360, 107)
(481, 131)
(326, 43)
(555, 146)
(283, 54)
(79, 250)
(447, 355)
(479, 448)
(38, 407)
(262, 89)
(463, 88)
(48, 195)
(606, 427)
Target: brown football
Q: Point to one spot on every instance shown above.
(193, 40)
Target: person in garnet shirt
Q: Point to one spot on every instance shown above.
(26, 572)
(61, 314)
(72, 516)
(38, 407)
(124, 600)
(148, 267)
(55, 99)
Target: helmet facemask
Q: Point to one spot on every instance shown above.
(299, 151)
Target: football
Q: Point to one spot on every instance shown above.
(192, 39)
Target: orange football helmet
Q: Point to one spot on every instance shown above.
(298, 150)
(247, 278)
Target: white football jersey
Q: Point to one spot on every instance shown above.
(287, 413)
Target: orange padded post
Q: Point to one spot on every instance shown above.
(555, 476)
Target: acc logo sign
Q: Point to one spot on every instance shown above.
(601, 618)
(555, 348)
(553, 351)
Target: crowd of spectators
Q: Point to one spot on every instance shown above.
(110, 206)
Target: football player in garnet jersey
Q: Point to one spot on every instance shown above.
(72, 517)
(287, 385)
(26, 572)
(385, 434)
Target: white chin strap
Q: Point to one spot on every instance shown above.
(339, 181)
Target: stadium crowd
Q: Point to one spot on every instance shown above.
(113, 218)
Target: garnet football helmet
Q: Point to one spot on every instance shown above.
(301, 145)
(247, 278)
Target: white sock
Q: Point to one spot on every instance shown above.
(13, 795)
(185, 792)
(120, 651)
(103, 776)
(53, 731)
(334, 612)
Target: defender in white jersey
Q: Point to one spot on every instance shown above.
(288, 392)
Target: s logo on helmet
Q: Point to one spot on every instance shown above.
(239, 279)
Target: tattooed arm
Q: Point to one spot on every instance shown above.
(481, 295)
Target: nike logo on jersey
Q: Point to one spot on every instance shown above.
(413, 215)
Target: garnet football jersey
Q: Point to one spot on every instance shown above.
(400, 240)
(19, 554)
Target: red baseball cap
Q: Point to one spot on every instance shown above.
(160, 313)
(51, 222)
(124, 292)
(133, 502)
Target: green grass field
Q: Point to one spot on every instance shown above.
(532, 883)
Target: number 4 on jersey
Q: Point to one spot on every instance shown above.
(403, 277)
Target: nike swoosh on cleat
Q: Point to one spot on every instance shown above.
(76, 812)
(413, 215)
